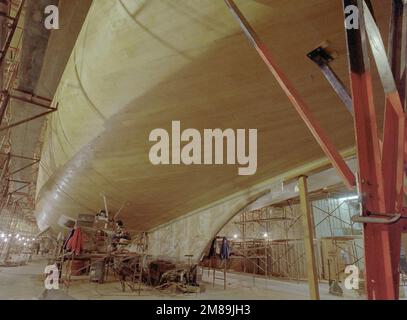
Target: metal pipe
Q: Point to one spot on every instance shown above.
(25, 167)
(30, 101)
(27, 120)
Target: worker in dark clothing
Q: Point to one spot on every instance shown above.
(120, 233)
(101, 215)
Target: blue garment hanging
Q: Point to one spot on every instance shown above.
(225, 250)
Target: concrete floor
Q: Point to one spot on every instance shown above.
(26, 283)
(22, 283)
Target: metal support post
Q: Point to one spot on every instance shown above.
(322, 59)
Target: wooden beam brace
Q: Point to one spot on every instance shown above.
(5, 15)
(20, 157)
(18, 181)
(5, 94)
(25, 167)
(32, 95)
(303, 110)
(21, 194)
(27, 120)
(308, 224)
(20, 188)
(6, 188)
(5, 168)
(4, 101)
(32, 101)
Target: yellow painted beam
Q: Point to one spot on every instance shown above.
(307, 220)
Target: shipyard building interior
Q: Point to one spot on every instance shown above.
(203, 149)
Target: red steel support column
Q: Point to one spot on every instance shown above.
(382, 242)
(398, 55)
(398, 61)
(398, 47)
(393, 137)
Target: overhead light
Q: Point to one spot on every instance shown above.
(235, 236)
(265, 235)
(349, 198)
(2, 235)
(5, 240)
